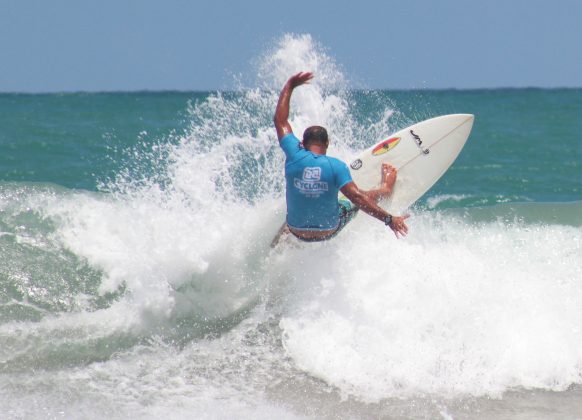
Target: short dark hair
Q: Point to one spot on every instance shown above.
(315, 134)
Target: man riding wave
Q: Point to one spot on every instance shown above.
(314, 179)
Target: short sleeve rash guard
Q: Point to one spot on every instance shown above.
(313, 182)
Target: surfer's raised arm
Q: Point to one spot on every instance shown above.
(281, 118)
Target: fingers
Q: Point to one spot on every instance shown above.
(305, 75)
(401, 230)
(398, 226)
(300, 78)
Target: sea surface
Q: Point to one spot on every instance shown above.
(137, 278)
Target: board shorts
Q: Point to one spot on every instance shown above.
(347, 211)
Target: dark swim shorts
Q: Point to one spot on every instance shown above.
(347, 211)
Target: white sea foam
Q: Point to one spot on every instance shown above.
(452, 309)
(433, 202)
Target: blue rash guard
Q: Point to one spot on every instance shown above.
(313, 183)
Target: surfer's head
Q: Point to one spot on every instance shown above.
(315, 135)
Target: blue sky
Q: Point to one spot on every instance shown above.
(75, 45)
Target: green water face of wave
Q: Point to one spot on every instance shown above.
(38, 276)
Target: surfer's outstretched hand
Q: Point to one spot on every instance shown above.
(398, 225)
(300, 79)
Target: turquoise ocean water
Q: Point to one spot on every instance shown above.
(136, 278)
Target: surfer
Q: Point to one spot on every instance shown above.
(314, 179)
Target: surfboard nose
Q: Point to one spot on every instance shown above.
(459, 116)
(462, 121)
(470, 120)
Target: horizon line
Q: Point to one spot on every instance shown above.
(209, 91)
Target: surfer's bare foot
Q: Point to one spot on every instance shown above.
(389, 174)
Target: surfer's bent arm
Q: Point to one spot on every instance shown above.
(369, 206)
(281, 118)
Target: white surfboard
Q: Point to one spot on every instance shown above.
(421, 153)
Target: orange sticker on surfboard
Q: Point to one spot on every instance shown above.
(385, 146)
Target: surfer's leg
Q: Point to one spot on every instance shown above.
(389, 174)
(283, 231)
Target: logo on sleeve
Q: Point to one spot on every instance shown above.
(311, 184)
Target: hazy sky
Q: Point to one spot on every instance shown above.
(71, 45)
